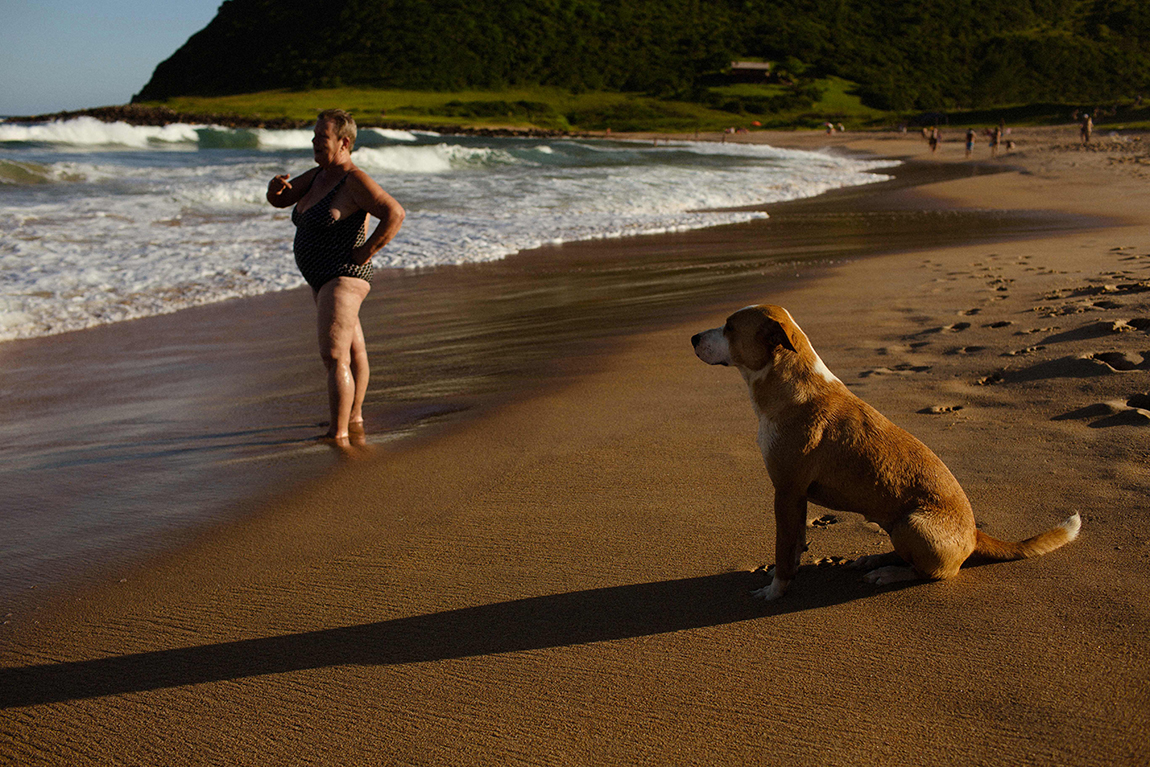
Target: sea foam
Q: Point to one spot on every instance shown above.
(106, 222)
(88, 131)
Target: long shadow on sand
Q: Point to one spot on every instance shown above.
(558, 620)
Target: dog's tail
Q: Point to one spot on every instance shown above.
(1043, 543)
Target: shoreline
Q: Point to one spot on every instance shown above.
(563, 577)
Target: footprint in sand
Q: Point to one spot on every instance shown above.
(1101, 329)
(999, 324)
(1105, 289)
(940, 409)
(898, 370)
(990, 380)
(1023, 352)
(1123, 362)
(967, 350)
(1083, 366)
(826, 520)
(1134, 411)
(969, 312)
(831, 561)
(955, 328)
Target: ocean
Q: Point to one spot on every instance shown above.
(106, 222)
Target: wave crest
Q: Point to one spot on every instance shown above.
(437, 158)
(88, 131)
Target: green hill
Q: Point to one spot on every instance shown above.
(906, 54)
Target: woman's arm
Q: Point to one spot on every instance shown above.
(283, 193)
(369, 196)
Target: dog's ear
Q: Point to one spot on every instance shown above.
(772, 334)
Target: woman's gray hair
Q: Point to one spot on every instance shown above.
(343, 122)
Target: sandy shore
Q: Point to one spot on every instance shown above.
(564, 579)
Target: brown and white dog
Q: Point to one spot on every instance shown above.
(822, 443)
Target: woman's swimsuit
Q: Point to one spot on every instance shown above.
(323, 244)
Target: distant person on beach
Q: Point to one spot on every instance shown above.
(934, 139)
(333, 251)
(1087, 128)
(969, 141)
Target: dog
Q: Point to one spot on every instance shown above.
(822, 443)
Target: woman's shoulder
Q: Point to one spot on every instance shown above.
(358, 174)
(359, 178)
(308, 175)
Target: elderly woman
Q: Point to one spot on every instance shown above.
(332, 249)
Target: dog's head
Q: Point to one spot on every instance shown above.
(751, 339)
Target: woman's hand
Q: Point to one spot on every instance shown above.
(276, 188)
(278, 184)
(284, 191)
(362, 254)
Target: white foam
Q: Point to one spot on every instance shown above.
(284, 139)
(88, 131)
(125, 234)
(439, 158)
(394, 135)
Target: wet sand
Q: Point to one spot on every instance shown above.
(560, 574)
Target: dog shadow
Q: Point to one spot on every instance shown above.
(558, 620)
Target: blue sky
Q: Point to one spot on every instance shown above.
(57, 55)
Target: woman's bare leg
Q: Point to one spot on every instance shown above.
(360, 372)
(337, 313)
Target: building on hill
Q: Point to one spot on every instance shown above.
(750, 71)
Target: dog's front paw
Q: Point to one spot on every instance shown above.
(770, 593)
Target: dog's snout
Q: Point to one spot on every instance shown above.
(711, 347)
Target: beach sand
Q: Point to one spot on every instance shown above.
(564, 576)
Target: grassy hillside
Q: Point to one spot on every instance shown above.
(905, 55)
(739, 106)
(554, 108)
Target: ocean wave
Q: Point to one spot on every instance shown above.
(428, 159)
(26, 173)
(283, 139)
(387, 134)
(16, 173)
(88, 131)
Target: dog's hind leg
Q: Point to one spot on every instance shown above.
(933, 543)
(790, 541)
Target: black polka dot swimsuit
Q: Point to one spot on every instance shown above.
(323, 245)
